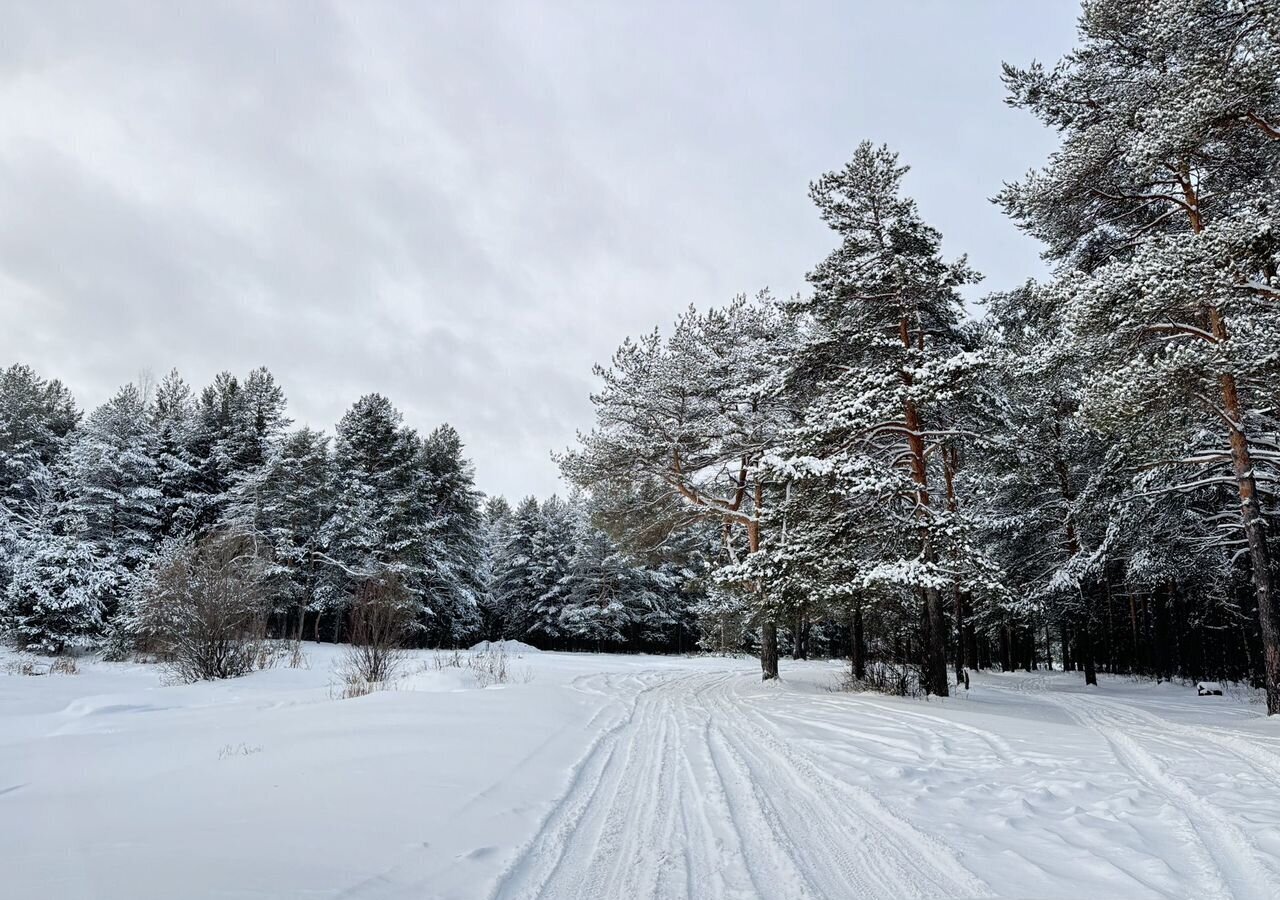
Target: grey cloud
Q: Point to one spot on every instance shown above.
(463, 205)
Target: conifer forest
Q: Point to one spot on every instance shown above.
(884, 583)
(1080, 472)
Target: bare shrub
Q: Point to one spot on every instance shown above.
(381, 618)
(204, 612)
(23, 665)
(895, 679)
(64, 665)
(268, 654)
(490, 665)
(449, 660)
(297, 658)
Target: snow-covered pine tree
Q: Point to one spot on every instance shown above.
(173, 420)
(58, 587)
(265, 406)
(495, 529)
(450, 503)
(236, 426)
(696, 413)
(678, 553)
(602, 596)
(1043, 480)
(36, 417)
(885, 356)
(1159, 206)
(554, 547)
(112, 482)
(286, 505)
(516, 583)
(375, 528)
(220, 415)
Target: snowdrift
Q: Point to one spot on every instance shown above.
(515, 648)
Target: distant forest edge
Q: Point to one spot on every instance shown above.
(93, 506)
(1085, 475)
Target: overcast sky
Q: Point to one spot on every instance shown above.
(463, 205)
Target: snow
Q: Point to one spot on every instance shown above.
(601, 776)
(512, 648)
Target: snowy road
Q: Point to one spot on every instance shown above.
(692, 794)
(628, 777)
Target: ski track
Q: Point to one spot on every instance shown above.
(1230, 861)
(706, 786)
(693, 793)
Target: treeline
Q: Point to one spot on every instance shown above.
(95, 509)
(1085, 473)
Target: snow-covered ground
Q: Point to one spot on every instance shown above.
(628, 776)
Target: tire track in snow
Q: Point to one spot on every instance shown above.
(1227, 855)
(896, 714)
(894, 859)
(542, 856)
(691, 795)
(611, 833)
(1262, 762)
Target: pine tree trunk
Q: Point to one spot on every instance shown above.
(1242, 462)
(858, 652)
(800, 639)
(1135, 661)
(769, 650)
(1255, 531)
(769, 628)
(959, 601)
(935, 651)
(937, 677)
(1085, 640)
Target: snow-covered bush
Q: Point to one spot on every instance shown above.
(54, 597)
(203, 611)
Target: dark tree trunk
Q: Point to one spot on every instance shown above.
(1006, 652)
(858, 654)
(1135, 660)
(769, 650)
(1260, 561)
(1085, 641)
(935, 648)
(800, 640)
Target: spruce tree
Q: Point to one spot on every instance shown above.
(285, 506)
(517, 583)
(173, 421)
(112, 483)
(451, 505)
